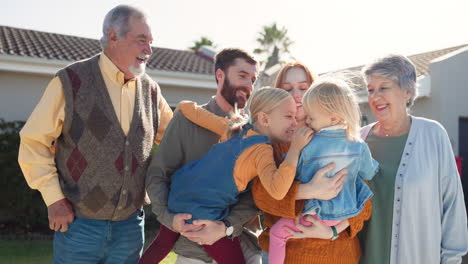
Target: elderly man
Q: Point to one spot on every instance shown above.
(235, 73)
(103, 114)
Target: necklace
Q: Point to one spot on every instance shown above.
(403, 129)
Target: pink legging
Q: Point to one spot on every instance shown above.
(279, 236)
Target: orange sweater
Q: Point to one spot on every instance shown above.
(344, 250)
(256, 160)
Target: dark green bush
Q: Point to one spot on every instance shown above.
(21, 209)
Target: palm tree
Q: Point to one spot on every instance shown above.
(203, 41)
(274, 42)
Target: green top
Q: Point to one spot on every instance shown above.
(375, 237)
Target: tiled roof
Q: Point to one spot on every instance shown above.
(422, 60)
(31, 43)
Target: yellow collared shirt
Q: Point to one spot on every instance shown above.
(44, 126)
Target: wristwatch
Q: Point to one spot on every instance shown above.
(229, 228)
(335, 233)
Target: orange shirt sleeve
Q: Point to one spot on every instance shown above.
(288, 206)
(204, 118)
(258, 160)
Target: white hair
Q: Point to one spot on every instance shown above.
(118, 18)
(397, 68)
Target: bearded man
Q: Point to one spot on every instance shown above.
(183, 142)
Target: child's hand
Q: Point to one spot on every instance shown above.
(301, 137)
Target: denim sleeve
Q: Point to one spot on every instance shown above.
(299, 166)
(369, 167)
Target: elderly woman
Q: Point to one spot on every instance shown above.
(418, 213)
(314, 244)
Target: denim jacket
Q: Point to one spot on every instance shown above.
(333, 146)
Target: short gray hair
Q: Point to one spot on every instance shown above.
(397, 68)
(118, 18)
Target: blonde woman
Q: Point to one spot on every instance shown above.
(332, 111)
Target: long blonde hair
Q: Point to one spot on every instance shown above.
(335, 96)
(263, 100)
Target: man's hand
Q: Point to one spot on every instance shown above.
(210, 232)
(321, 187)
(60, 215)
(179, 225)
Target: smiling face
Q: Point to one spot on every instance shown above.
(296, 84)
(238, 82)
(386, 99)
(131, 53)
(281, 122)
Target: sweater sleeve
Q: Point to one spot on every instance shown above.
(165, 161)
(288, 206)
(454, 240)
(204, 118)
(276, 181)
(258, 160)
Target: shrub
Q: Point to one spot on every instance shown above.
(21, 209)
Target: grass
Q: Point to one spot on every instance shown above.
(26, 251)
(40, 252)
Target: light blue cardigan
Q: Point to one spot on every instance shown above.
(429, 216)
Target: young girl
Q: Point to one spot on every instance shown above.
(206, 188)
(333, 113)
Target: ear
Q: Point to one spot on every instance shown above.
(262, 119)
(220, 76)
(335, 120)
(408, 95)
(112, 35)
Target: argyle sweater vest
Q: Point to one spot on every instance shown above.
(102, 171)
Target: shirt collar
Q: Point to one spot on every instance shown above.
(336, 127)
(214, 108)
(111, 71)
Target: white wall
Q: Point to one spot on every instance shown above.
(20, 92)
(449, 76)
(175, 94)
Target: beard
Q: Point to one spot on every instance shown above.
(233, 94)
(137, 72)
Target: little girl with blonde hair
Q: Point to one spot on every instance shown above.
(206, 188)
(333, 113)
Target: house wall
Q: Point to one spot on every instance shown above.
(450, 79)
(448, 98)
(20, 92)
(175, 94)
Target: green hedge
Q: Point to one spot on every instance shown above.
(21, 209)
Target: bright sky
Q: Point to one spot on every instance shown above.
(328, 34)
